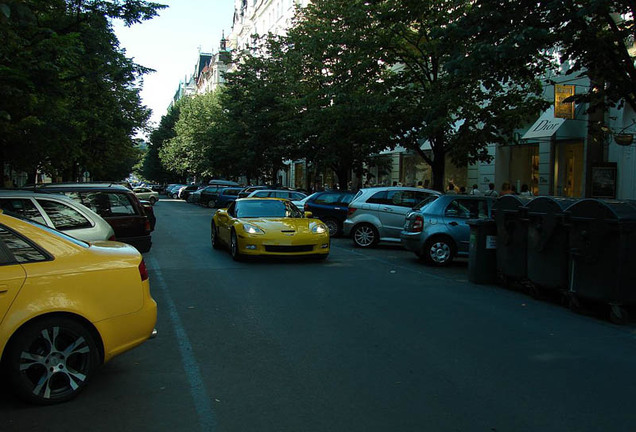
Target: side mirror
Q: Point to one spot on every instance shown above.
(308, 214)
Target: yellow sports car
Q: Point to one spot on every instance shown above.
(66, 307)
(268, 226)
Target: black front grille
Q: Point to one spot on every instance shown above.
(289, 249)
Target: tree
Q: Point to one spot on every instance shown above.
(444, 101)
(338, 81)
(68, 94)
(188, 152)
(254, 131)
(152, 168)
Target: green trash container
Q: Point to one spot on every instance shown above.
(509, 212)
(482, 252)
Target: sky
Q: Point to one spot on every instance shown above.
(170, 44)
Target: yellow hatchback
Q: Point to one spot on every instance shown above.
(268, 226)
(66, 307)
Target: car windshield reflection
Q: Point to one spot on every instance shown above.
(266, 208)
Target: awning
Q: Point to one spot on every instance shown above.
(545, 126)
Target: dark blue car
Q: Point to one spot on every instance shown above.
(226, 196)
(330, 207)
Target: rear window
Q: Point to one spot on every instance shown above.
(425, 203)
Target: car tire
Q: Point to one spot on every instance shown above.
(234, 247)
(365, 235)
(51, 360)
(212, 203)
(214, 236)
(439, 251)
(175, 195)
(333, 225)
(152, 200)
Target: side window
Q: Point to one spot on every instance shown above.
(405, 198)
(120, 205)
(63, 216)
(296, 196)
(460, 209)
(22, 207)
(96, 201)
(378, 198)
(399, 198)
(23, 251)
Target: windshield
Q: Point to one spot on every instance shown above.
(266, 208)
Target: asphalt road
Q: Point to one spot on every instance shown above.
(369, 340)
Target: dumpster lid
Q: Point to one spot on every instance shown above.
(510, 202)
(591, 208)
(549, 204)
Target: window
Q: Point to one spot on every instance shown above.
(378, 198)
(22, 250)
(467, 209)
(21, 207)
(63, 216)
(328, 198)
(120, 205)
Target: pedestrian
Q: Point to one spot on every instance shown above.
(7, 182)
(525, 191)
(506, 189)
(419, 184)
(475, 190)
(462, 190)
(451, 189)
(491, 192)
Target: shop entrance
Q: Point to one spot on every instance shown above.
(524, 167)
(568, 169)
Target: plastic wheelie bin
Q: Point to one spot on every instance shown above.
(482, 251)
(603, 254)
(548, 247)
(510, 216)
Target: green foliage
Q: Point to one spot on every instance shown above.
(152, 168)
(447, 98)
(188, 152)
(68, 96)
(338, 79)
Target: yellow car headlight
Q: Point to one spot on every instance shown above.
(319, 229)
(252, 229)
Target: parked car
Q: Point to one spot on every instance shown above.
(226, 196)
(118, 205)
(378, 213)
(268, 226)
(185, 191)
(437, 229)
(248, 190)
(66, 307)
(59, 212)
(173, 191)
(145, 193)
(210, 193)
(277, 193)
(331, 207)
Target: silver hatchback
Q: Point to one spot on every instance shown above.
(378, 213)
(57, 211)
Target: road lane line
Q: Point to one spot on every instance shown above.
(207, 419)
